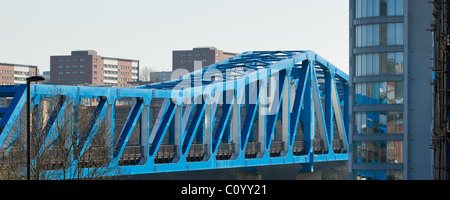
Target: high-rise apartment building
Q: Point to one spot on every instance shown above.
(184, 59)
(391, 96)
(86, 67)
(14, 74)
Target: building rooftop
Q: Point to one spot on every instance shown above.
(11, 64)
(205, 48)
(84, 53)
(125, 59)
(94, 53)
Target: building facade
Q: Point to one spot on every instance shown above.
(86, 67)
(160, 76)
(14, 74)
(184, 59)
(390, 113)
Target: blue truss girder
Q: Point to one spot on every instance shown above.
(261, 108)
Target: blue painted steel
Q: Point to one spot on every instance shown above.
(162, 128)
(269, 102)
(93, 126)
(129, 125)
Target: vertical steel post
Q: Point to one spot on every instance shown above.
(30, 79)
(28, 132)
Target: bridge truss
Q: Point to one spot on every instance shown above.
(258, 108)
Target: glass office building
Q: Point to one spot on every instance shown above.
(390, 120)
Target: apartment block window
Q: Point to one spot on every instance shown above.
(379, 35)
(379, 152)
(95, 66)
(60, 67)
(60, 60)
(67, 66)
(377, 8)
(82, 72)
(60, 73)
(81, 66)
(19, 79)
(379, 174)
(81, 59)
(74, 66)
(67, 72)
(379, 64)
(20, 72)
(379, 93)
(389, 122)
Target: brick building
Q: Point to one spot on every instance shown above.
(86, 67)
(14, 74)
(184, 59)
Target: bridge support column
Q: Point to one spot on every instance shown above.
(249, 173)
(306, 168)
(307, 173)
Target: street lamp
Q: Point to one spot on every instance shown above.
(29, 80)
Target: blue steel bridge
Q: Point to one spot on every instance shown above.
(256, 109)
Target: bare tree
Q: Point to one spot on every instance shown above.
(145, 73)
(57, 149)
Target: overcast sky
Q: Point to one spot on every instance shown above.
(148, 30)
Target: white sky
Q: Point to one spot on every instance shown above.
(148, 30)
